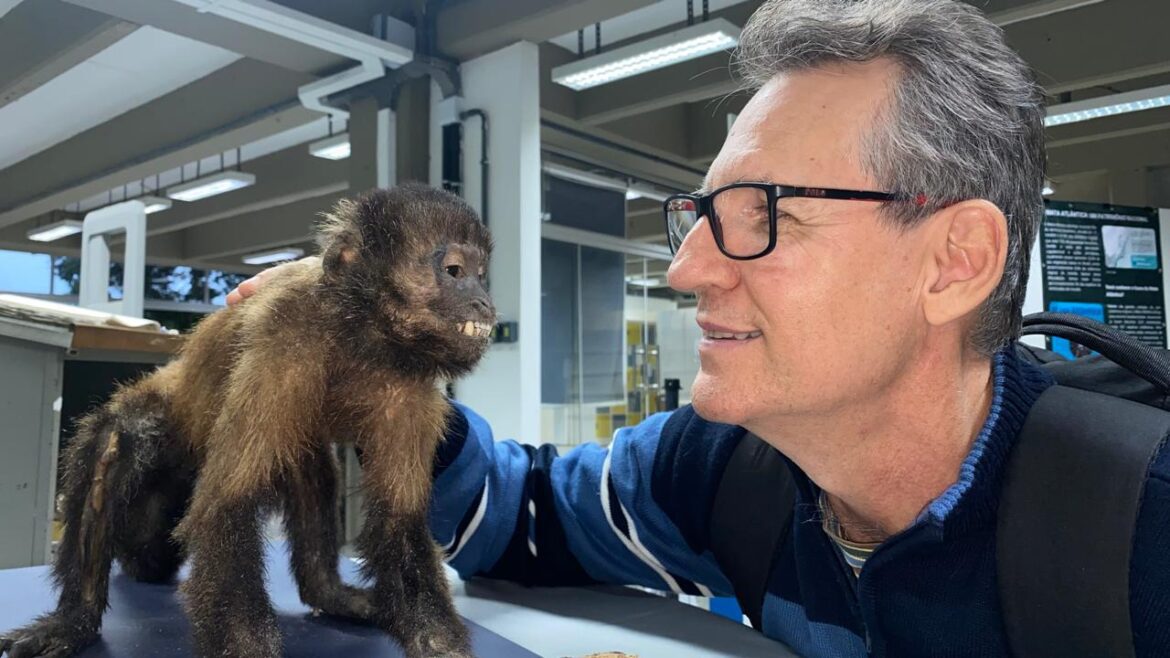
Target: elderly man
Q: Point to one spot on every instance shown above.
(859, 252)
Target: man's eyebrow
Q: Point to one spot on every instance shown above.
(758, 178)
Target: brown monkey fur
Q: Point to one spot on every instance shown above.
(190, 458)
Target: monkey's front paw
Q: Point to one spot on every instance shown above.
(49, 637)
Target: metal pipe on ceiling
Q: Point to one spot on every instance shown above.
(372, 54)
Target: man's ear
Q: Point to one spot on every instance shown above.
(969, 248)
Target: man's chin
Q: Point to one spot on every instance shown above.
(717, 406)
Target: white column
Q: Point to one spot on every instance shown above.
(505, 84)
(127, 218)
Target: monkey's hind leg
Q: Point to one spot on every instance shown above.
(147, 549)
(311, 520)
(103, 467)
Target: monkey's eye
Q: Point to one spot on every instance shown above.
(455, 271)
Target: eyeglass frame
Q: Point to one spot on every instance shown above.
(774, 192)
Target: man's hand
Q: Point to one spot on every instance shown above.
(248, 288)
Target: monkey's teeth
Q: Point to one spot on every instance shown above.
(474, 329)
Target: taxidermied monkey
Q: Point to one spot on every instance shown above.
(190, 458)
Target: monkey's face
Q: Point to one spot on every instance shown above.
(409, 265)
(463, 312)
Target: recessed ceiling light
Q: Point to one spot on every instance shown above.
(211, 185)
(55, 231)
(331, 148)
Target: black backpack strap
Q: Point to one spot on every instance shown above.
(751, 516)
(1119, 347)
(1067, 516)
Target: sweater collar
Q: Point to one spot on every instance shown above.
(973, 500)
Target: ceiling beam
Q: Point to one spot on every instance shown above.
(41, 40)
(178, 18)
(282, 178)
(696, 80)
(1110, 78)
(1129, 150)
(470, 29)
(1076, 50)
(160, 250)
(586, 145)
(278, 226)
(240, 103)
(1108, 135)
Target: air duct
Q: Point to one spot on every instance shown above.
(372, 54)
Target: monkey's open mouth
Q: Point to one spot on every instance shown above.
(474, 329)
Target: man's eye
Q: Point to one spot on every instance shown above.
(455, 271)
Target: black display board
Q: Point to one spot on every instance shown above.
(1104, 262)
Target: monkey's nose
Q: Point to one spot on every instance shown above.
(483, 306)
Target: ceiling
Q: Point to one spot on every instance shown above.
(100, 99)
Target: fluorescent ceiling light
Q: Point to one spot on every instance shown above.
(658, 52)
(645, 191)
(1104, 106)
(645, 283)
(584, 177)
(331, 148)
(55, 231)
(207, 186)
(273, 256)
(154, 203)
(632, 194)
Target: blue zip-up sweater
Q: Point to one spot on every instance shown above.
(637, 513)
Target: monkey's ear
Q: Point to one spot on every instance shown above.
(340, 238)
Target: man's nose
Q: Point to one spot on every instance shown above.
(698, 263)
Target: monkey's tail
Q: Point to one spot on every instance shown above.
(110, 457)
(124, 484)
(81, 568)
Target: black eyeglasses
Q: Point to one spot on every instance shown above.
(743, 215)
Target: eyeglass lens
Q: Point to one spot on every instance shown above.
(741, 214)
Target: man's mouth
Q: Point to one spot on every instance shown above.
(727, 335)
(474, 329)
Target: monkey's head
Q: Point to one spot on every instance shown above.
(409, 266)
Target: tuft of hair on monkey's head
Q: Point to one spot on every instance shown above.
(408, 267)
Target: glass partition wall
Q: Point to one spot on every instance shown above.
(613, 332)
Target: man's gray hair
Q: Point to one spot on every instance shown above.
(966, 119)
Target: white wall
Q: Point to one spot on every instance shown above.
(1034, 297)
(505, 84)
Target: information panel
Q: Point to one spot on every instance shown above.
(1104, 262)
